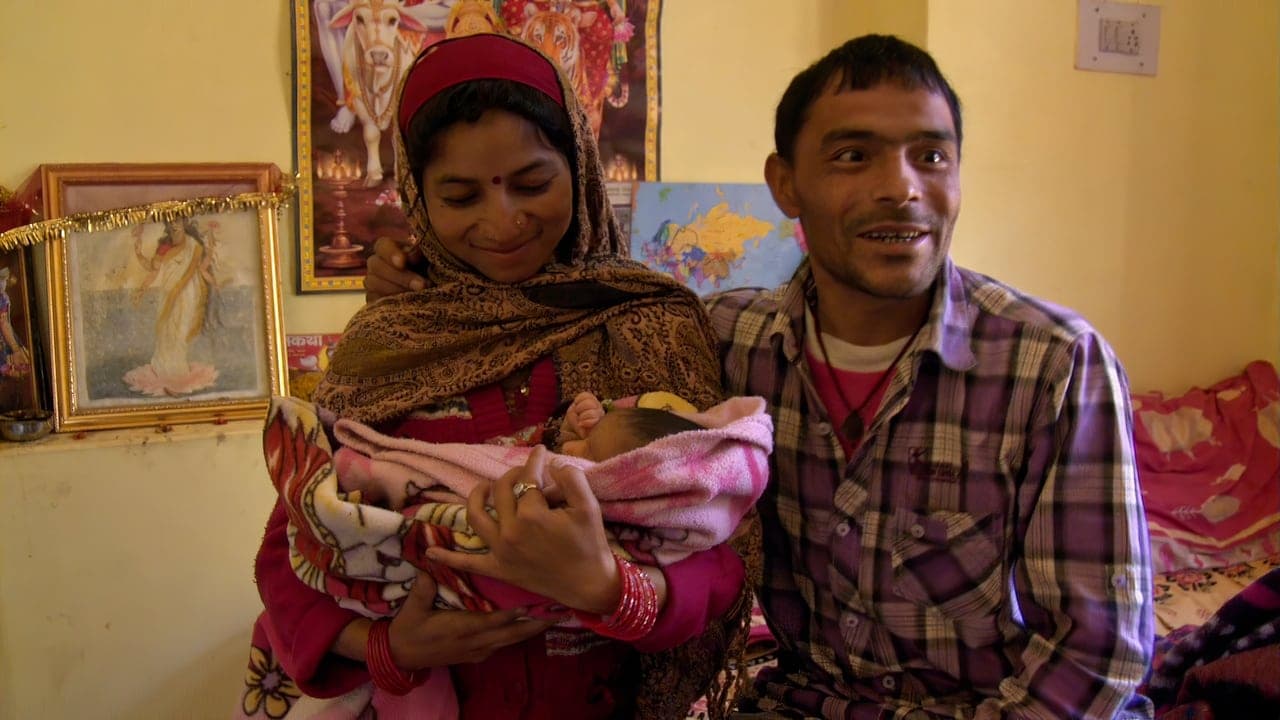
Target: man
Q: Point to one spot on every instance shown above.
(954, 527)
(981, 547)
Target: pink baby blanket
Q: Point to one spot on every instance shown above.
(361, 518)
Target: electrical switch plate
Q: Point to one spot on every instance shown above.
(1118, 37)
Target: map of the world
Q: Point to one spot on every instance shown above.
(714, 237)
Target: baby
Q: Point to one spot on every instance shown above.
(669, 482)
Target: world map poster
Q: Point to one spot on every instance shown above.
(714, 236)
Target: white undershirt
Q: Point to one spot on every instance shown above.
(847, 356)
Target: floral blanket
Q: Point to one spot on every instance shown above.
(1228, 664)
(674, 496)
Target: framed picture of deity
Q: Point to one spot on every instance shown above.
(20, 370)
(164, 302)
(345, 92)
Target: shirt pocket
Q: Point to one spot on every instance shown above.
(952, 563)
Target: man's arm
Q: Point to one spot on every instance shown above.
(1082, 585)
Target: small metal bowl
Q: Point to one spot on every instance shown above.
(25, 425)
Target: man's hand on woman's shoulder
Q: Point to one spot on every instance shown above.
(388, 270)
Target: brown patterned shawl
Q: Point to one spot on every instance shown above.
(612, 326)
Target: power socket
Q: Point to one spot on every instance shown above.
(1118, 37)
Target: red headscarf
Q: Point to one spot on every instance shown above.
(480, 57)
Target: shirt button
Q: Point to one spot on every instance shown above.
(888, 682)
(1119, 580)
(917, 531)
(850, 621)
(824, 429)
(842, 529)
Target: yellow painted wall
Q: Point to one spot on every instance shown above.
(908, 19)
(125, 568)
(726, 63)
(126, 572)
(1150, 204)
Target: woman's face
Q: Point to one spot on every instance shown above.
(498, 195)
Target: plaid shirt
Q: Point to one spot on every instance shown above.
(984, 550)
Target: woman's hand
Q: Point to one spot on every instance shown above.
(560, 552)
(422, 636)
(386, 273)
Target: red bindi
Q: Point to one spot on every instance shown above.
(497, 180)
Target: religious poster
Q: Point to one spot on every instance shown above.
(350, 56)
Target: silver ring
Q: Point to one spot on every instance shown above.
(522, 488)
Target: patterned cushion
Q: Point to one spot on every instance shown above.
(1209, 463)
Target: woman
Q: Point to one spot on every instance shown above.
(527, 305)
(182, 267)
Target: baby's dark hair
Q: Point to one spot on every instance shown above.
(649, 424)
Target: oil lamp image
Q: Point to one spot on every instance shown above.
(337, 172)
(620, 169)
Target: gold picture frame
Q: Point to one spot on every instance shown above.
(159, 323)
(347, 195)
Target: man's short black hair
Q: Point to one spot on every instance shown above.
(860, 64)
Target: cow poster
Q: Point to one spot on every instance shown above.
(349, 58)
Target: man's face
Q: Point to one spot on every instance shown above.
(875, 180)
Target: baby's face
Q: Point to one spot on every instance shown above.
(608, 438)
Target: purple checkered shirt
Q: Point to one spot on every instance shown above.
(984, 552)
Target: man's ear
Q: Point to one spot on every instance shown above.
(781, 179)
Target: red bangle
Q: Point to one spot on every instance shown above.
(382, 668)
(637, 609)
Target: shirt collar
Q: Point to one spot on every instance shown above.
(948, 330)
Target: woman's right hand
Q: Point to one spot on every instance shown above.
(387, 273)
(422, 636)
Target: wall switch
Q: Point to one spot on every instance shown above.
(1118, 37)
